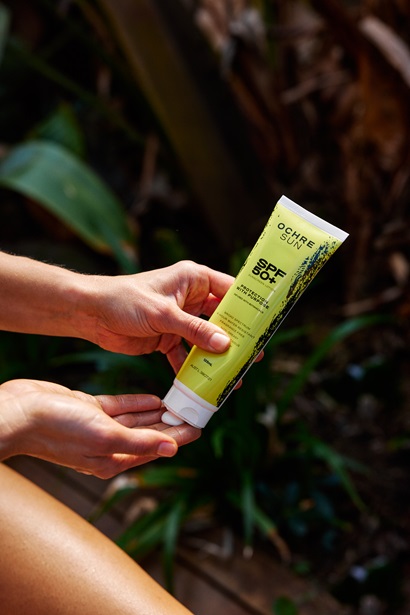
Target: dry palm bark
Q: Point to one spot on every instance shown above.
(374, 143)
(329, 117)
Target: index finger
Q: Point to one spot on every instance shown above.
(219, 283)
(129, 403)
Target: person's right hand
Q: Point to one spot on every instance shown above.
(130, 314)
(102, 435)
(157, 310)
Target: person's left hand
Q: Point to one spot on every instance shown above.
(102, 435)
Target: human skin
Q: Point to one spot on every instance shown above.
(101, 435)
(130, 314)
(53, 561)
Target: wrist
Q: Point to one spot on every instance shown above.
(6, 443)
(90, 305)
(11, 431)
(79, 316)
(45, 299)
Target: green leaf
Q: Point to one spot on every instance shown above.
(4, 28)
(344, 330)
(120, 487)
(62, 127)
(166, 476)
(69, 189)
(248, 507)
(262, 522)
(169, 246)
(172, 528)
(146, 533)
(160, 525)
(339, 464)
(284, 606)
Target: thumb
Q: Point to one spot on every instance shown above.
(201, 332)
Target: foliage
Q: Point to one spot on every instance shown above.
(173, 144)
(234, 475)
(284, 606)
(52, 176)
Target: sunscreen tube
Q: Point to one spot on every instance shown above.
(292, 248)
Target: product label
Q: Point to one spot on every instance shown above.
(268, 271)
(289, 253)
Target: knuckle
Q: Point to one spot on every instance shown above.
(197, 327)
(189, 269)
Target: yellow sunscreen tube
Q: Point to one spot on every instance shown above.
(292, 248)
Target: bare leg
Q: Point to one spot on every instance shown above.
(53, 561)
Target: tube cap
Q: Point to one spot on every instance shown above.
(186, 405)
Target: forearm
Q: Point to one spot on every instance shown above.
(131, 314)
(39, 298)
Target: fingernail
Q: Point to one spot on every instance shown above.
(220, 342)
(167, 449)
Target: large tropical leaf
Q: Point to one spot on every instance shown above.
(59, 181)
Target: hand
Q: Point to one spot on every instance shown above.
(132, 314)
(102, 435)
(157, 310)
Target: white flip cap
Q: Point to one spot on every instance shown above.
(183, 403)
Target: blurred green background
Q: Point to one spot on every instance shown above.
(134, 134)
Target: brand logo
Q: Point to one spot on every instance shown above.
(293, 238)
